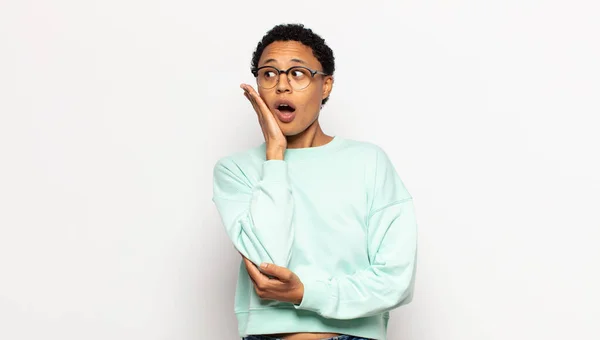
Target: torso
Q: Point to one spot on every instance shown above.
(314, 216)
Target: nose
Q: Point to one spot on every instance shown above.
(283, 85)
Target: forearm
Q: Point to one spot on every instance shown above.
(386, 283)
(369, 292)
(259, 222)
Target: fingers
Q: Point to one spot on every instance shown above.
(282, 273)
(247, 95)
(268, 122)
(252, 101)
(251, 95)
(262, 284)
(257, 110)
(257, 99)
(255, 107)
(249, 266)
(254, 273)
(249, 90)
(280, 288)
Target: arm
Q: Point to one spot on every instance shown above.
(388, 281)
(258, 218)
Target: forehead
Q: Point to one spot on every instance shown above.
(284, 51)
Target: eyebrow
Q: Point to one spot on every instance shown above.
(293, 59)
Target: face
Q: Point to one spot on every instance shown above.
(295, 110)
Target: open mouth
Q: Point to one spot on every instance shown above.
(286, 108)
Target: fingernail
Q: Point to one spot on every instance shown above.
(264, 265)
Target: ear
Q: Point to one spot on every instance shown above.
(327, 86)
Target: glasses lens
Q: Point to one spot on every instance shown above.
(267, 77)
(299, 77)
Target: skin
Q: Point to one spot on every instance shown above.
(303, 132)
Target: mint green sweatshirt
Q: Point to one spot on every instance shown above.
(338, 216)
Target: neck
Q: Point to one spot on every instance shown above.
(311, 137)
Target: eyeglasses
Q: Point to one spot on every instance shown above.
(298, 76)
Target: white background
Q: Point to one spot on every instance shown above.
(114, 112)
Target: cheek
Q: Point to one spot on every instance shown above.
(266, 96)
(261, 93)
(313, 101)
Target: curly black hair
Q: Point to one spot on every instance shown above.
(305, 36)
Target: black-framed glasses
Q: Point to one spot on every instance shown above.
(299, 76)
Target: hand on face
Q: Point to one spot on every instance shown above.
(275, 139)
(284, 286)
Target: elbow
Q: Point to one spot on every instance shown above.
(403, 297)
(394, 299)
(404, 292)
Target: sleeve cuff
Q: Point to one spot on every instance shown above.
(275, 170)
(316, 296)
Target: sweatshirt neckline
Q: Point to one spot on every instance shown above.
(312, 151)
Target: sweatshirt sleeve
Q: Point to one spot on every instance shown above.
(388, 281)
(258, 218)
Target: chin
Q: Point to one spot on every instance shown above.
(290, 133)
(296, 126)
(291, 130)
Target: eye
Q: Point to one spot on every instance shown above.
(269, 74)
(299, 73)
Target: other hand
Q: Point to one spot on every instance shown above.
(283, 286)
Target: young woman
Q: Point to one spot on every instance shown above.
(324, 224)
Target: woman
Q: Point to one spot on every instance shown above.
(325, 226)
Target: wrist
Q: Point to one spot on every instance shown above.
(275, 153)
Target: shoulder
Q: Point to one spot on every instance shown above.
(366, 149)
(378, 162)
(241, 161)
